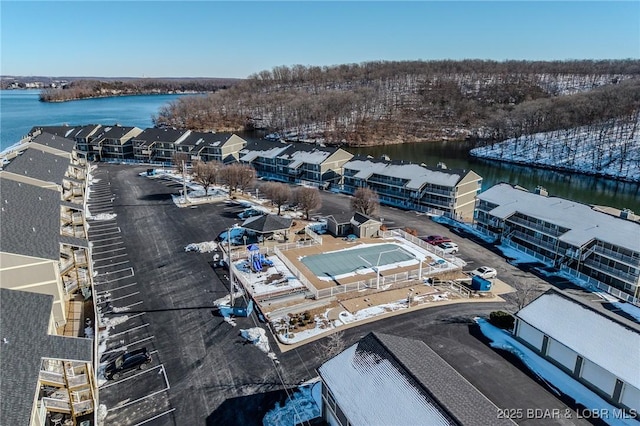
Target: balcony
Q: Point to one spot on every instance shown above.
(72, 218)
(534, 226)
(612, 272)
(618, 257)
(73, 231)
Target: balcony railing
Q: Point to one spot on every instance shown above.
(619, 257)
(51, 377)
(612, 272)
(534, 225)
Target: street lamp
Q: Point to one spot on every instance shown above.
(377, 268)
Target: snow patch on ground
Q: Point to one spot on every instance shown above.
(548, 372)
(629, 309)
(102, 216)
(230, 321)
(465, 227)
(258, 337)
(111, 322)
(301, 407)
(203, 247)
(515, 256)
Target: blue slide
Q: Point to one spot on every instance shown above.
(257, 266)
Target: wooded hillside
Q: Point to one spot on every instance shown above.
(393, 102)
(82, 89)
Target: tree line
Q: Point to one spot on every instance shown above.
(86, 88)
(392, 102)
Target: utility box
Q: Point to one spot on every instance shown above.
(480, 284)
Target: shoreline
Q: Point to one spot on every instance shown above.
(52, 101)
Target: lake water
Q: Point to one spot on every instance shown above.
(20, 110)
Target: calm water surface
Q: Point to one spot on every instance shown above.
(20, 110)
(586, 189)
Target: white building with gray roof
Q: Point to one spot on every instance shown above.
(595, 346)
(596, 247)
(415, 187)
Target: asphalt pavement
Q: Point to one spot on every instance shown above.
(213, 376)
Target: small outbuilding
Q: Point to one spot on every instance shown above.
(364, 226)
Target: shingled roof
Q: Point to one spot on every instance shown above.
(40, 165)
(267, 223)
(29, 220)
(58, 142)
(24, 322)
(386, 379)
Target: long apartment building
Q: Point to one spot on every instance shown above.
(296, 163)
(596, 247)
(44, 250)
(415, 187)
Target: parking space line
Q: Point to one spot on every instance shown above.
(108, 245)
(110, 281)
(120, 270)
(112, 264)
(96, 225)
(106, 239)
(131, 305)
(92, 221)
(119, 298)
(130, 377)
(127, 331)
(113, 230)
(155, 417)
(119, 348)
(136, 400)
(115, 289)
(110, 257)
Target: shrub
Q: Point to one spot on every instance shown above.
(502, 319)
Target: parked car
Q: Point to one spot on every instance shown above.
(247, 213)
(449, 248)
(436, 239)
(138, 359)
(485, 272)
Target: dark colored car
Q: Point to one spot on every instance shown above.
(138, 359)
(436, 239)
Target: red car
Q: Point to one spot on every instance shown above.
(436, 239)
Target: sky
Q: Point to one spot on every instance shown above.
(237, 39)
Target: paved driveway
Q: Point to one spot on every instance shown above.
(212, 375)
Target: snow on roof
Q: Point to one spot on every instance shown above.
(415, 175)
(592, 335)
(250, 155)
(309, 157)
(584, 223)
(390, 397)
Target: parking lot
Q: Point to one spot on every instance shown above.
(141, 396)
(203, 371)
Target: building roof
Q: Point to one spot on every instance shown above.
(416, 176)
(165, 134)
(584, 223)
(29, 220)
(39, 164)
(58, 142)
(359, 219)
(262, 148)
(267, 223)
(115, 132)
(24, 321)
(341, 218)
(593, 335)
(62, 131)
(207, 139)
(299, 154)
(386, 379)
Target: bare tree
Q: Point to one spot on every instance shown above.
(179, 159)
(238, 176)
(308, 199)
(332, 345)
(365, 201)
(526, 291)
(278, 193)
(206, 174)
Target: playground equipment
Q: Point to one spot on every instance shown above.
(256, 259)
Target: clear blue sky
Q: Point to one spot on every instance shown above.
(236, 39)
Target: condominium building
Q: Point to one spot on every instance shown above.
(415, 187)
(296, 163)
(44, 250)
(221, 147)
(158, 144)
(596, 247)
